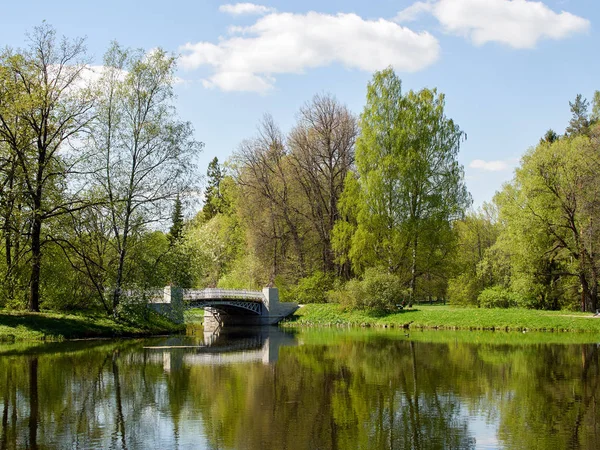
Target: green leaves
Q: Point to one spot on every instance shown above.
(409, 181)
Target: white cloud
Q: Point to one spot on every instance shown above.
(413, 12)
(239, 9)
(490, 166)
(516, 23)
(292, 43)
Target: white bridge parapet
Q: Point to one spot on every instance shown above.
(218, 294)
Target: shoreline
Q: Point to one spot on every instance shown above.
(21, 326)
(425, 317)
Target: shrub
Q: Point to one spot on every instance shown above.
(378, 290)
(498, 297)
(311, 289)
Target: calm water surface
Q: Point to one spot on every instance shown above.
(309, 390)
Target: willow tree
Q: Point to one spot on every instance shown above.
(411, 184)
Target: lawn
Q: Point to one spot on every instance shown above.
(48, 326)
(449, 318)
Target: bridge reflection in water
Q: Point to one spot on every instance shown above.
(222, 347)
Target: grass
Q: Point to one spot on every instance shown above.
(16, 326)
(448, 318)
(194, 316)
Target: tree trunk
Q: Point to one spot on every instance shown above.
(122, 253)
(413, 272)
(36, 261)
(589, 294)
(118, 281)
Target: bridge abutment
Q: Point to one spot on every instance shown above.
(170, 305)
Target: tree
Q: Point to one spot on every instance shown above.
(144, 153)
(213, 198)
(410, 181)
(43, 111)
(476, 233)
(272, 210)
(549, 137)
(595, 116)
(579, 123)
(176, 220)
(322, 154)
(553, 208)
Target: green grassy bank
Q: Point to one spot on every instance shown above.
(46, 326)
(448, 318)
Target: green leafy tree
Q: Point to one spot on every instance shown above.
(213, 197)
(410, 181)
(43, 111)
(551, 212)
(549, 137)
(595, 116)
(476, 233)
(144, 153)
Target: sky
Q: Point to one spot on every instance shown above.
(508, 68)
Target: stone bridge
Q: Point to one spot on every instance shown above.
(224, 306)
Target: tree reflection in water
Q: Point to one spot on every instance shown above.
(316, 390)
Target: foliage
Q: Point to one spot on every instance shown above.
(376, 290)
(143, 151)
(176, 221)
(247, 272)
(476, 234)
(411, 185)
(212, 248)
(497, 297)
(42, 116)
(551, 231)
(311, 289)
(214, 200)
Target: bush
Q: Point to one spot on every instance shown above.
(378, 290)
(311, 289)
(498, 297)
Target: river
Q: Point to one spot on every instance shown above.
(307, 389)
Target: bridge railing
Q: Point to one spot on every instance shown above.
(214, 294)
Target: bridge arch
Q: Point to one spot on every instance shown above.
(229, 306)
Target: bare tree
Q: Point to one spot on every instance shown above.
(263, 172)
(322, 153)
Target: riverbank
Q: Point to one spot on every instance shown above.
(17, 326)
(447, 318)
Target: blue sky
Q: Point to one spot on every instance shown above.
(508, 68)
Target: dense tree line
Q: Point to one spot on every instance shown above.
(340, 207)
(536, 244)
(372, 210)
(368, 210)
